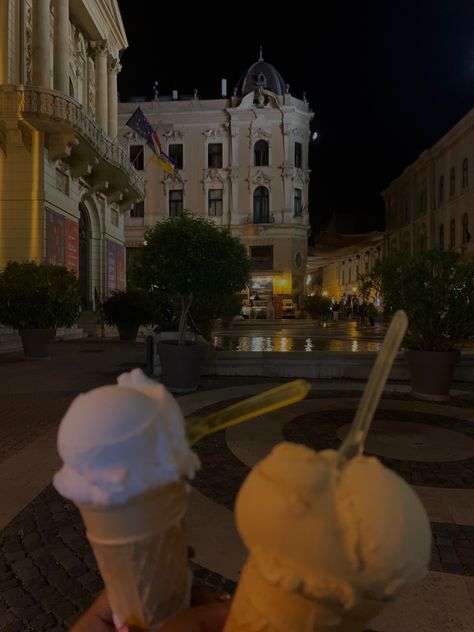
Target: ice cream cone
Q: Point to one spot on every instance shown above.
(260, 606)
(141, 550)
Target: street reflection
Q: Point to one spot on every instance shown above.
(293, 343)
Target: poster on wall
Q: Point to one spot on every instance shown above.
(72, 245)
(120, 262)
(54, 237)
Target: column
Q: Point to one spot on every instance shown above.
(113, 70)
(41, 44)
(4, 52)
(61, 45)
(101, 106)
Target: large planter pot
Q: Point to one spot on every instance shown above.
(180, 365)
(127, 332)
(37, 343)
(431, 373)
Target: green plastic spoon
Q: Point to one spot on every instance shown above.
(284, 395)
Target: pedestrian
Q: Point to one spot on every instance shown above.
(335, 310)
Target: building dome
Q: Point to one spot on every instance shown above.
(261, 74)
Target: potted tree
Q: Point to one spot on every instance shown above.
(206, 310)
(36, 298)
(127, 310)
(436, 289)
(318, 306)
(184, 258)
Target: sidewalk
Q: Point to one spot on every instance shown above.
(47, 573)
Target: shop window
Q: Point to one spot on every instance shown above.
(261, 258)
(136, 156)
(214, 156)
(261, 212)
(260, 153)
(298, 155)
(175, 152)
(215, 198)
(176, 203)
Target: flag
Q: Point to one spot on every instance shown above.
(139, 123)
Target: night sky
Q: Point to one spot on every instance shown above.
(385, 79)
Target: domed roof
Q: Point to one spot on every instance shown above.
(261, 74)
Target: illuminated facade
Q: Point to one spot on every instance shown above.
(242, 162)
(64, 181)
(432, 202)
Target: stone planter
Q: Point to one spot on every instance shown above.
(37, 343)
(180, 365)
(431, 373)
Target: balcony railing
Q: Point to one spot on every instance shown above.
(31, 101)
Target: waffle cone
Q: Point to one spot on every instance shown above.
(259, 606)
(141, 550)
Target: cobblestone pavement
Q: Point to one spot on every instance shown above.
(48, 574)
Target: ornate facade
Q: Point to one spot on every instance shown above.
(64, 181)
(432, 202)
(241, 161)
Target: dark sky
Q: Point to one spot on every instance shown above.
(385, 78)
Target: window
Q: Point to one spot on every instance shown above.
(260, 153)
(261, 257)
(215, 202)
(176, 203)
(441, 190)
(465, 165)
(261, 206)
(466, 235)
(214, 155)
(175, 152)
(452, 233)
(138, 209)
(298, 203)
(136, 156)
(441, 236)
(452, 181)
(298, 155)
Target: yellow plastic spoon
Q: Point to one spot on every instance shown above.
(284, 395)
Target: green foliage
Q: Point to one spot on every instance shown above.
(132, 307)
(436, 289)
(187, 257)
(218, 306)
(38, 296)
(317, 305)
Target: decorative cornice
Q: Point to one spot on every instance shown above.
(259, 132)
(173, 135)
(214, 133)
(260, 179)
(299, 133)
(214, 176)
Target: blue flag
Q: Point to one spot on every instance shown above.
(141, 125)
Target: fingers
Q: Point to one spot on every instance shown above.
(207, 618)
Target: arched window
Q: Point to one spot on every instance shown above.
(441, 189)
(441, 236)
(261, 206)
(452, 181)
(452, 233)
(466, 235)
(465, 166)
(260, 153)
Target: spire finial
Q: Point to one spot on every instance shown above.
(261, 53)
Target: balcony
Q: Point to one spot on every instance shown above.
(73, 136)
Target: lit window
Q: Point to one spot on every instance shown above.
(215, 202)
(260, 153)
(261, 213)
(175, 152)
(452, 181)
(214, 155)
(175, 203)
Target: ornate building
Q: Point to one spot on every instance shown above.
(64, 181)
(241, 161)
(432, 202)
